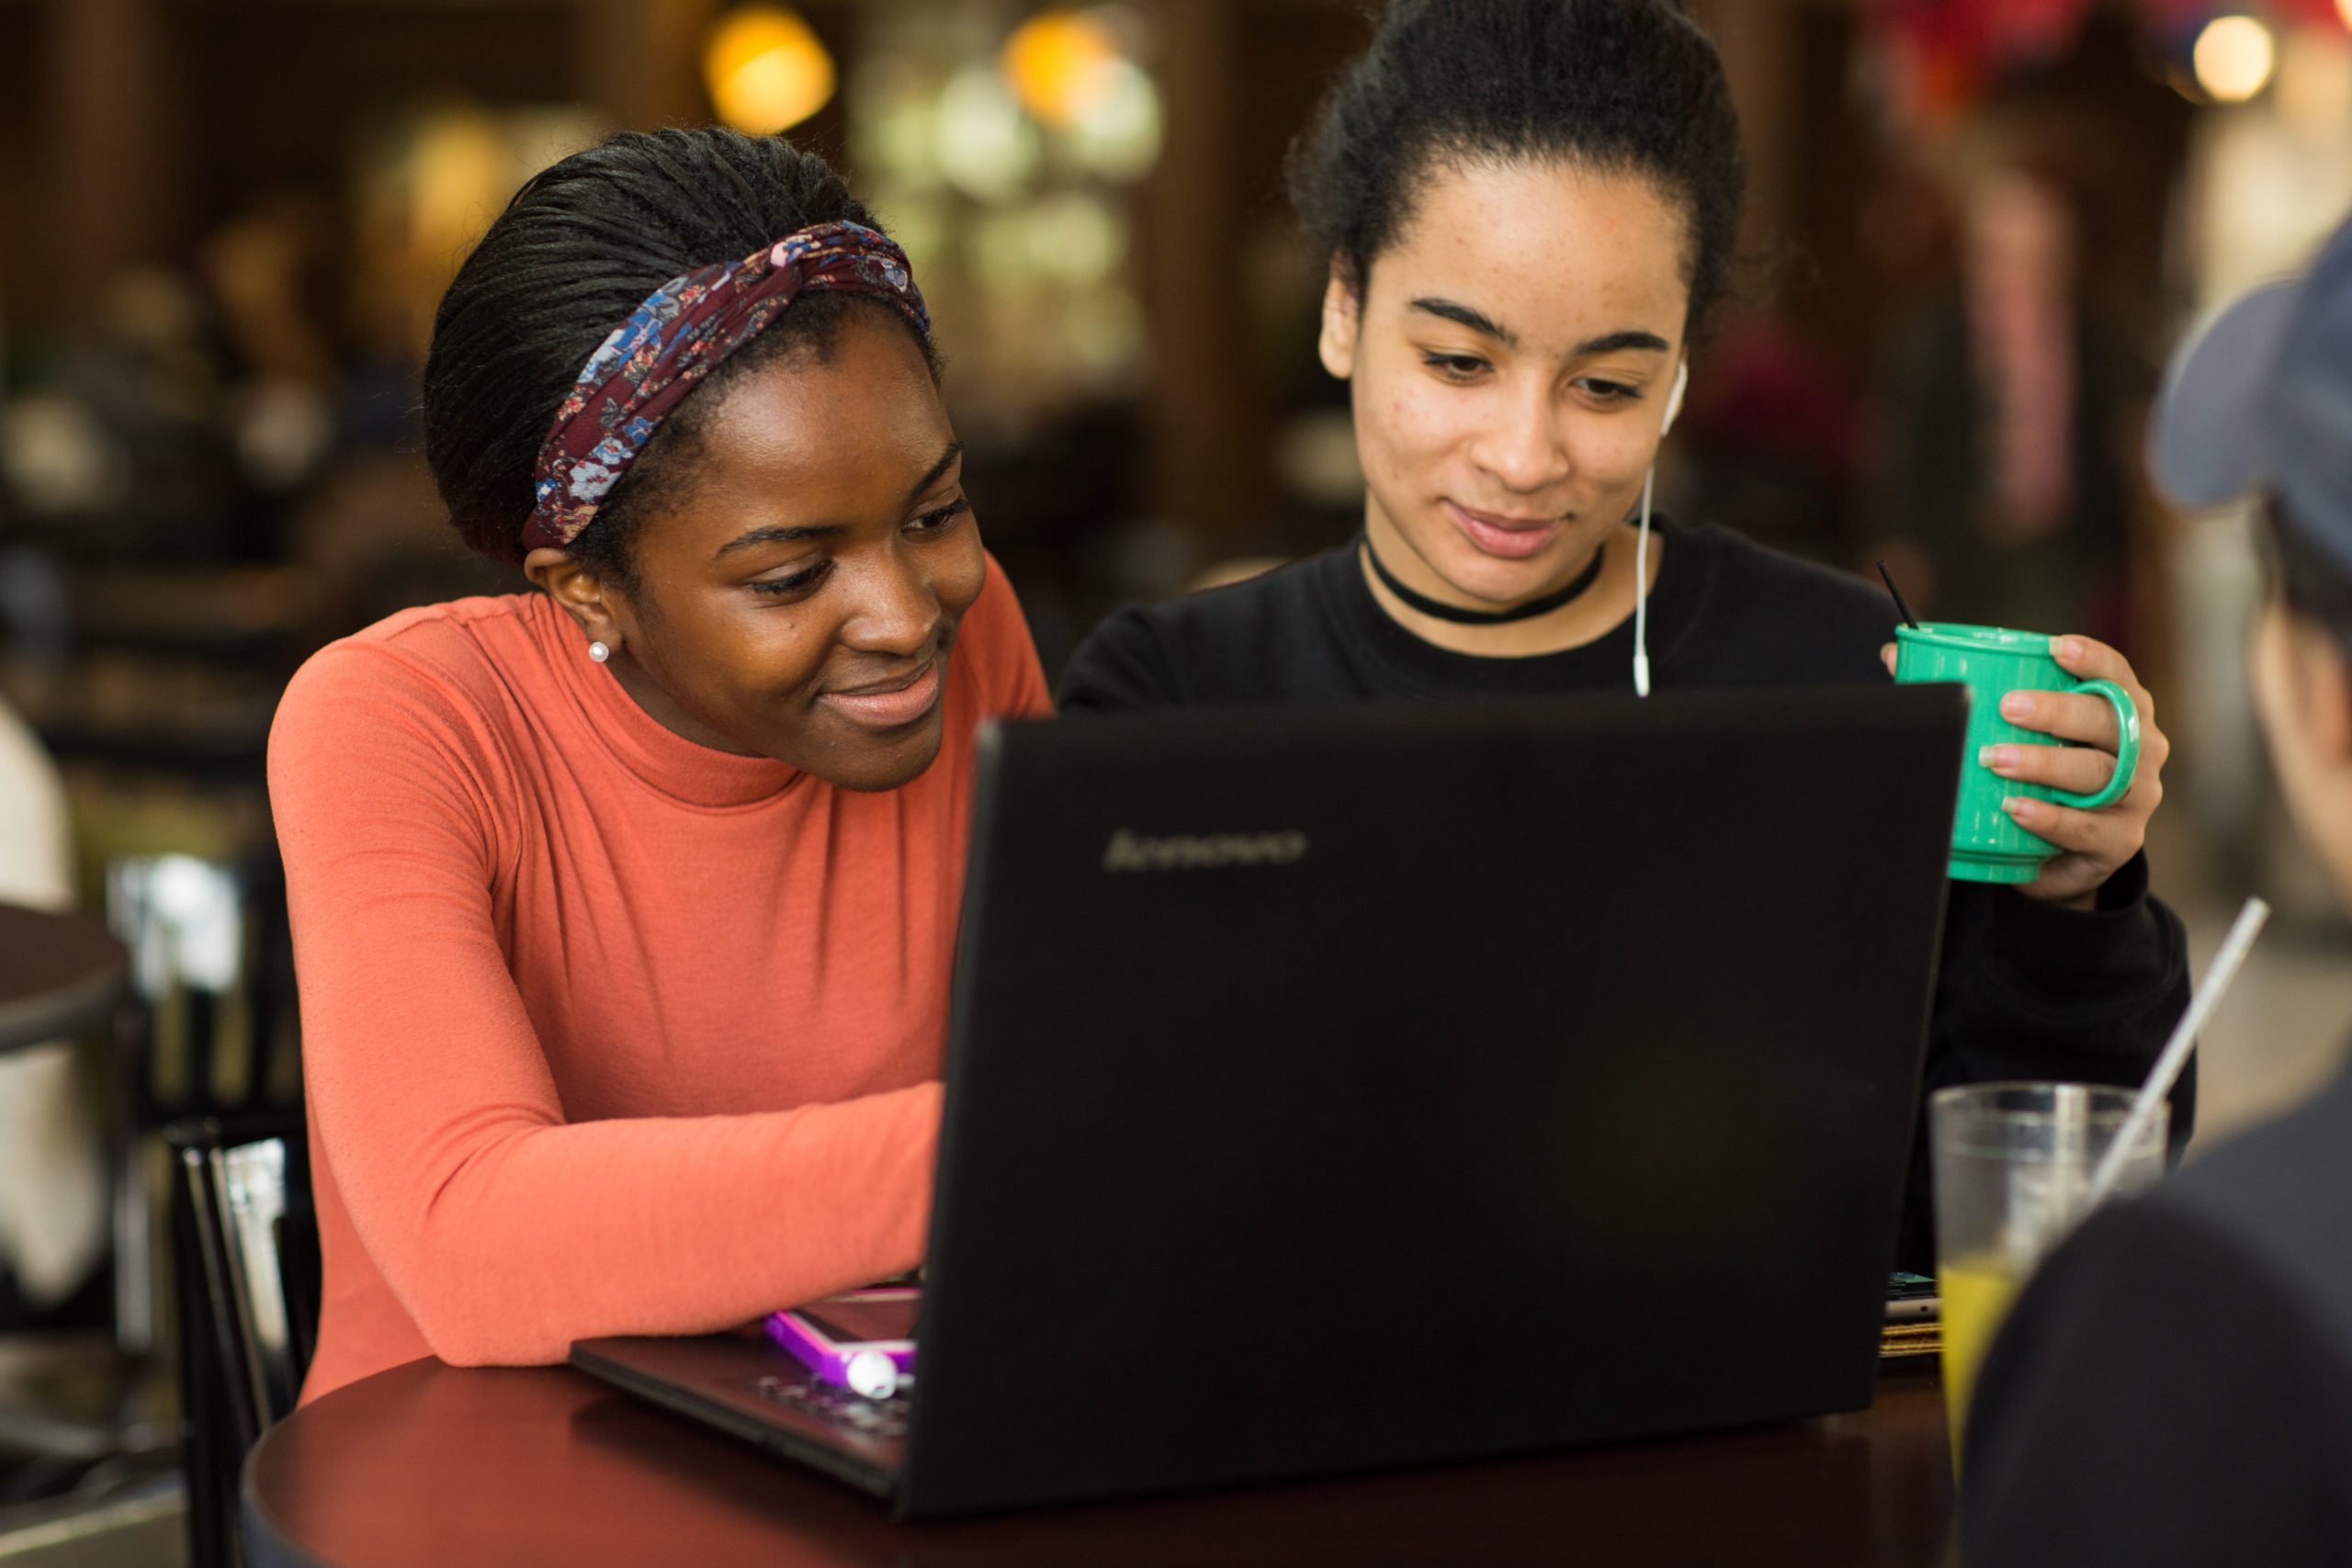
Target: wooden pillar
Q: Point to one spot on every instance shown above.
(1762, 51)
(109, 199)
(1206, 475)
(639, 62)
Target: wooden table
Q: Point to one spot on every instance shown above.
(60, 974)
(430, 1464)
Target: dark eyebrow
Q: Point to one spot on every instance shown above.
(745, 540)
(793, 535)
(1463, 316)
(946, 461)
(1617, 342)
(1479, 321)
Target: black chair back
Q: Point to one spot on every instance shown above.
(245, 1262)
(212, 957)
(213, 965)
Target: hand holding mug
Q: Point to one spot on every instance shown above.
(2096, 844)
(2099, 718)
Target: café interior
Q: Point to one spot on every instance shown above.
(225, 228)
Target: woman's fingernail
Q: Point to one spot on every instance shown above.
(2066, 648)
(2017, 704)
(2020, 807)
(2000, 759)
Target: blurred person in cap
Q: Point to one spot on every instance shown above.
(2176, 1385)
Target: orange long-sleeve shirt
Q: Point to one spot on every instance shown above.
(604, 1032)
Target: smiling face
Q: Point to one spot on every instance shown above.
(797, 590)
(1511, 359)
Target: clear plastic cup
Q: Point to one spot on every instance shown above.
(2013, 1164)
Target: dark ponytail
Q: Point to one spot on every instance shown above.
(576, 250)
(1617, 86)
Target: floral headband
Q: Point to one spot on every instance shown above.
(685, 330)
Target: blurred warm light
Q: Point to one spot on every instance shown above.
(2235, 57)
(458, 166)
(57, 457)
(988, 148)
(1060, 63)
(2344, 9)
(918, 220)
(766, 71)
(1316, 459)
(1075, 238)
(894, 121)
(1118, 136)
(427, 183)
(1103, 333)
(999, 252)
(2312, 92)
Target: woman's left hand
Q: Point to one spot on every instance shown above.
(2093, 845)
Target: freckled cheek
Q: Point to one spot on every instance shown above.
(1412, 433)
(1611, 451)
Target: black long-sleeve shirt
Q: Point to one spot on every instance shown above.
(2174, 1387)
(2026, 990)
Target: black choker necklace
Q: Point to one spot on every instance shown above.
(1527, 612)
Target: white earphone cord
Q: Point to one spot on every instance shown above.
(1642, 540)
(1642, 591)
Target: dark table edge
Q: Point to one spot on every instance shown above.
(265, 1546)
(70, 1009)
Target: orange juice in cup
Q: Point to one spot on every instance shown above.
(1976, 1293)
(2013, 1164)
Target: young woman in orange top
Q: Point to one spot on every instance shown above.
(623, 909)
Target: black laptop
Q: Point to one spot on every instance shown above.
(1369, 1086)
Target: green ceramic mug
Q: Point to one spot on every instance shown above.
(1986, 843)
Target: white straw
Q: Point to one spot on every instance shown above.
(2224, 969)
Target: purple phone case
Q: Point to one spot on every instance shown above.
(830, 1358)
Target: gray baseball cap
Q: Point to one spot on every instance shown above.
(2261, 400)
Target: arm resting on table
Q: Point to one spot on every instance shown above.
(505, 1232)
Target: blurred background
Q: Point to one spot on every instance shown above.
(1977, 227)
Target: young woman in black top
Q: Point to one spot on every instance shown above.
(1529, 204)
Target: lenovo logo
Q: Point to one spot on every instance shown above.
(1207, 851)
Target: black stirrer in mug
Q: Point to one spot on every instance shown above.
(1908, 619)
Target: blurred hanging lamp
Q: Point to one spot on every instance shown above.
(766, 69)
(2235, 57)
(1060, 65)
(988, 148)
(1119, 136)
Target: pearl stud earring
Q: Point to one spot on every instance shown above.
(599, 652)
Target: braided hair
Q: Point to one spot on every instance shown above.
(576, 250)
